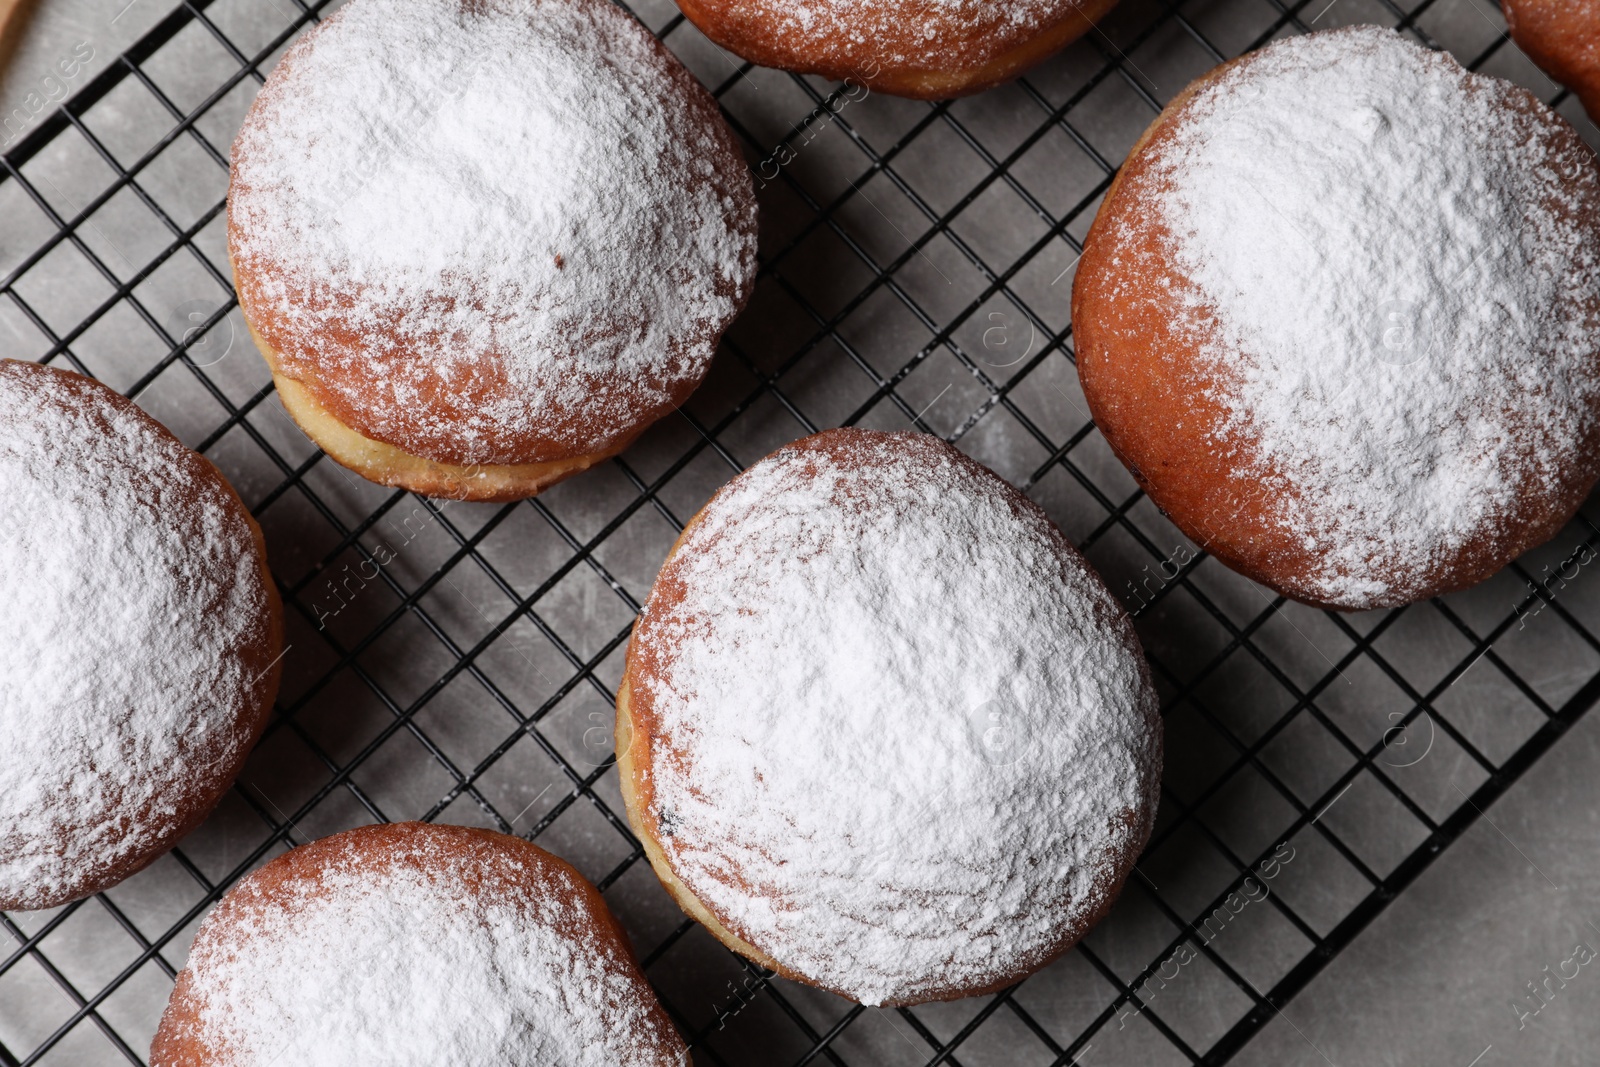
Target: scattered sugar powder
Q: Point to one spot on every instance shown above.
(427, 957)
(906, 740)
(522, 213)
(129, 588)
(1394, 261)
(921, 34)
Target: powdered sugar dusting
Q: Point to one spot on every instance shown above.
(427, 956)
(129, 587)
(1394, 273)
(906, 741)
(921, 34)
(504, 231)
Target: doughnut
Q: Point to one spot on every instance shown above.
(483, 245)
(1562, 37)
(881, 729)
(409, 943)
(1337, 315)
(141, 640)
(924, 49)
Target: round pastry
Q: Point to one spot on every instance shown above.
(484, 244)
(412, 944)
(926, 49)
(1338, 316)
(1563, 38)
(141, 637)
(881, 728)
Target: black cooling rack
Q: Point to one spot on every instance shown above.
(445, 661)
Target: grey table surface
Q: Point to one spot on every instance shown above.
(1441, 977)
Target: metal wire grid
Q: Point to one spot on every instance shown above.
(1114, 987)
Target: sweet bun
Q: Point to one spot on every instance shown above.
(1338, 316)
(484, 243)
(926, 49)
(409, 943)
(1563, 38)
(881, 729)
(141, 637)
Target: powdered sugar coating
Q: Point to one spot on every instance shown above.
(410, 947)
(920, 34)
(133, 609)
(1393, 280)
(901, 738)
(506, 231)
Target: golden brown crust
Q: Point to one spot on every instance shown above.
(14, 18)
(639, 747)
(1563, 38)
(500, 859)
(970, 57)
(634, 778)
(261, 660)
(400, 445)
(387, 464)
(635, 748)
(1143, 376)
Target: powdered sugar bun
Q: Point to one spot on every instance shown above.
(881, 729)
(1338, 315)
(413, 944)
(1563, 38)
(484, 243)
(926, 49)
(141, 637)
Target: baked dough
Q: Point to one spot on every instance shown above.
(881, 728)
(1337, 314)
(410, 943)
(140, 637)
(1563, 38)
(926, 49)
(483, 245)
